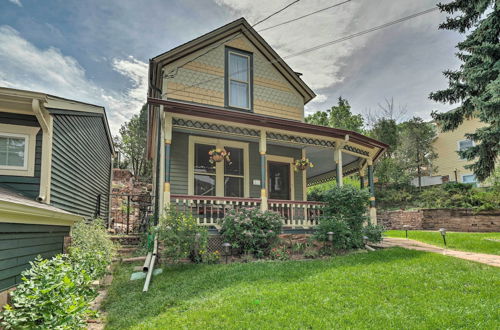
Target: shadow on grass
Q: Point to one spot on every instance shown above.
(127, 305)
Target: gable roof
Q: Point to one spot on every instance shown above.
(238, 26)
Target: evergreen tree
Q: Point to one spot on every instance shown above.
(476, 85)
(339, 116)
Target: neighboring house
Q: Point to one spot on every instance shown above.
(450, 166)
(55, 169)
(228, 89)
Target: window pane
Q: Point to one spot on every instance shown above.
(469, 178)
(238, 94)
(238, 67)
(204, 185)
(233, 187)
(464, 145)
(12, 151)
(236, 156)
(202, 158)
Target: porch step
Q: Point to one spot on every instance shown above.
(126, 240)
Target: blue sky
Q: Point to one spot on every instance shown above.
(97, 50)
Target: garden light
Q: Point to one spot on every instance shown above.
(405, 227)
(227, 248)
(443, 233)
(330, 236)
(365, 240)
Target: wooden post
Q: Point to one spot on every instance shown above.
(362, 178)
(168, 141)
(337, 156)
(263, 170)
(373, 209)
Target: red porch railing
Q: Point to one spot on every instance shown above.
(209, 209)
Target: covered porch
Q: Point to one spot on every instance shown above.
(262, 171)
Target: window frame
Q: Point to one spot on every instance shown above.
(227, 79)
(458, 147)
(476, 183)
(29, 134)
(219, 167)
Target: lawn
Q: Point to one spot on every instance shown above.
(392, 288)
(473, 242)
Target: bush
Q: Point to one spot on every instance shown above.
(55, 294)
(178, 232)
(91, 247)
(373, 232)
(251, 230)
(279, 253)
(343, 238)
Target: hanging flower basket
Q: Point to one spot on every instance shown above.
(218, 155)
(302, 164)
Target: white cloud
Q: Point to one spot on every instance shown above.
(324, 68)
(24, 66)
(17, 2)
(320, 98)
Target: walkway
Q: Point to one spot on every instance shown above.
(488, 259)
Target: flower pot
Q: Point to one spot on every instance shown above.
(217, 158)
(301, 167)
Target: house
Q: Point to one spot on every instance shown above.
(450, 167)
(229, 90)
(55, 169)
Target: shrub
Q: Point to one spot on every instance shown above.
(54, 294)
(251, 230)
(178, 232)
(279, 253)
(91, 247)
(373, 232)
(210, 257)
(311, 253)
(343, 236)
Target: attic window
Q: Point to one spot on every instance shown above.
(17, 149)
(238, 79)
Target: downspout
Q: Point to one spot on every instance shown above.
(46, 123)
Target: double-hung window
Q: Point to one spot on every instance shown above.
(17, 149)
(238, 79)
(464, 145)
(227, 178)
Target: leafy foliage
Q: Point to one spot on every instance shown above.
(373, 232)
(279, 253)
(251, 230)
(476, 85)
(387, 131)
(344, 215)
(132, 143)
(55, 294)
(91, 248)
(181, 236)
(338, 116)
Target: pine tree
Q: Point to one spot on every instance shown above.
(476, 85)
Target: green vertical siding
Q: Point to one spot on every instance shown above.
(27, 186)
(22, 243)
(81, 164)
(179, 165)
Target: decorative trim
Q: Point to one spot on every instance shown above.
(300, 139)
(356, 150)
(187, 123)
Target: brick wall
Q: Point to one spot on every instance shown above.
(464, 220)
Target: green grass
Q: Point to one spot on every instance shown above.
(393, 288)
(472, 242)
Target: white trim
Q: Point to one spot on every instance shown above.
(29, 134)
(237, 80)
(219, 167)
(27, 214)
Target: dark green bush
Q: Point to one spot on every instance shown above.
(251, 230)
(342, 234)
(180, 234)
(373, 232)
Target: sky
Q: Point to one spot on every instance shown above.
(97, 51)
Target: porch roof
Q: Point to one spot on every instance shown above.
(266, 122)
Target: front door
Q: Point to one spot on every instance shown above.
(279, 180)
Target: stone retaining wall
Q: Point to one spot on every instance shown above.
(464, 220)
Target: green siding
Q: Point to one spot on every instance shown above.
(81, 164)
(27, 186)
(179, 168)
(22, 243)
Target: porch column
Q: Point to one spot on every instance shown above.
(263, 170)
(373, 209)
(362, 177)
(168, 141)
(338, 162)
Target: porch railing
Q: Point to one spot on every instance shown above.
(209, 209)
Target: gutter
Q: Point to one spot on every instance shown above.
(27, 214)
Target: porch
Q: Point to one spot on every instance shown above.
(261, 172)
